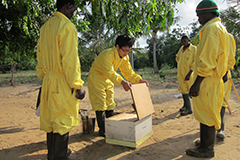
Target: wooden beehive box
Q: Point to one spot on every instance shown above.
(132, 129)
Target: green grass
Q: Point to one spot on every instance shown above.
(26, 77)
(20, 77)
(169, 86)
(30, 77)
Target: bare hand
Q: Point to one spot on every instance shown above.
(126, 85)
(188, 75)
(80, 93)
(194, 90)
(225, 78)
(144, 81)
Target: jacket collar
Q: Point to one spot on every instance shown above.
(57, 13)
(216, 19)
(191, 48)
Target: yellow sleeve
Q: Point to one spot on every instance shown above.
(209, 49)
(39, 68)
(194, 56)
(70, 60)
(107, 60)
(232, 52)
(127, 72)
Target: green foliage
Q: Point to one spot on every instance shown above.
(166, 50)
(230, 19)
(168, 44)
(98, 23)
(162, 74)
(169, 86)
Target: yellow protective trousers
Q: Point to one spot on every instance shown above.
(101, 94)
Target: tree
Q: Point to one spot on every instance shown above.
(19, 28)
(163, 20)
(231, 19)
(19, 33)
(20, 23)
(235, 4)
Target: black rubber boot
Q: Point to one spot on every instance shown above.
(101, 122)
(187, 104)
(109, 113)
(220, 132)
(184, 105)
(60, 147)
(50, 146)
(207, 139)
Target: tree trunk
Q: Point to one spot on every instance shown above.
(12, 70)
(154, 56)
(131, 60)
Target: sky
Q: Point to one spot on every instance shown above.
(186, 11)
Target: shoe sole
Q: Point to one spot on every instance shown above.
(208, 155)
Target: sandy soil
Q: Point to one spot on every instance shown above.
(20, 137)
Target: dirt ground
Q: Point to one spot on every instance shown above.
(20, 137)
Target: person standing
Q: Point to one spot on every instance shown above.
(185, 62)
(227, 85)
(103, 75)
(210, 67)
(59, 67)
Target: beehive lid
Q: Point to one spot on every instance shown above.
(142, 100)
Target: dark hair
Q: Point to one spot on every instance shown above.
(61, 3)
(124, 40)
(185, 37)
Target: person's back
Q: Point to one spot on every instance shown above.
(59, 67)
(52, 36)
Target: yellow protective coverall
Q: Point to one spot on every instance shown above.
(102, 77)
(211, 62)
(59, 67)
(231, 63)
(185, 63)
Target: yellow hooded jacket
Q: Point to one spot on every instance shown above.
(185, 60)
(211, 62)
(231, 63)
(102, 77)
(59, 67)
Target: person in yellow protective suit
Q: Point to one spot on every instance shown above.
(102, 77)
(211, 63)
(227, 85)
(59, 67)
(185, 60)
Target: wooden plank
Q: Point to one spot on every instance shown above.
(122, 130)
(127, 130)
(124, 117)
(142, 100)
(143, 128)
